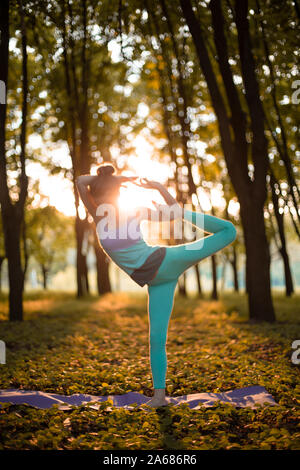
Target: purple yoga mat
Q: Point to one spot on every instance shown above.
(241, 397)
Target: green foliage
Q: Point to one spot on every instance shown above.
(50, 234)
(100, 347)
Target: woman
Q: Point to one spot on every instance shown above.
(159, 267)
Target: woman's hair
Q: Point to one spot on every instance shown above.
(105, 183)
(105, 169)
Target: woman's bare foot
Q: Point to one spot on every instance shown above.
(156, 402)
(158, 399)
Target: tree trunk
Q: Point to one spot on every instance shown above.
(178, 94)
(182, 102)
(198, 278)
(257, 264)
(214, 292)
(233, 263)
(2, 258)
(182, 285)
(223, 276)
(251, 193)
(283, 149)
(81, 264)
(13, 214)
(45, 277)
(102, 265)
(25, 250)
(289, 287)
(78, 113)
(15, 272)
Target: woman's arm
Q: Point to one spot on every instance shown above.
(170, 200)
(145, 183)
(82, 183)
(174, 206)
(85, 180)
(125, 179)
(164, 212)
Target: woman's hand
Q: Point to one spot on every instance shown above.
(145, 183)
(148, 184)
(126, 179)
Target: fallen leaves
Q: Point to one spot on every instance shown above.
(84, 347)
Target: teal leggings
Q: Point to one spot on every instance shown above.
(162, 288)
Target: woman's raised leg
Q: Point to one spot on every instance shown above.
(223, 232)
(181, 257)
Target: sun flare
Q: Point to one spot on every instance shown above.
(133, 196)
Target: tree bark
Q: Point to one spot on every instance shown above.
(12, 230)
(198, 278)
(223, 276)
(2, 258)
(297, 8)
(166, 83)
(289, 287)
(13, 214)
(233, 263)
(25, 250)
(251, 193)
(45, 277)
(78, 113)
(182, 102)
(258, 263)
(214, 292)
(81, 262)
(84, 161)
(282, 149)
(182, 285)
(102, 267)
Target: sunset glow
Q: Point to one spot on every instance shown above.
(134, 196)
(58, 191)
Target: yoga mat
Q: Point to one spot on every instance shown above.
(242, 397)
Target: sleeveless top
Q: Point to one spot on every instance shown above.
(125, 245)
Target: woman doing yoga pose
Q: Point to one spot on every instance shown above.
(158, 267)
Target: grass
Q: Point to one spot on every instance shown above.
(100, 346)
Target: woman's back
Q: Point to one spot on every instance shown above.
(123, 242)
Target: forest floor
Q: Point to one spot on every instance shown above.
(100, 346)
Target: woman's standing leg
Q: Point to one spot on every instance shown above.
(160, 306)
(161, 289)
